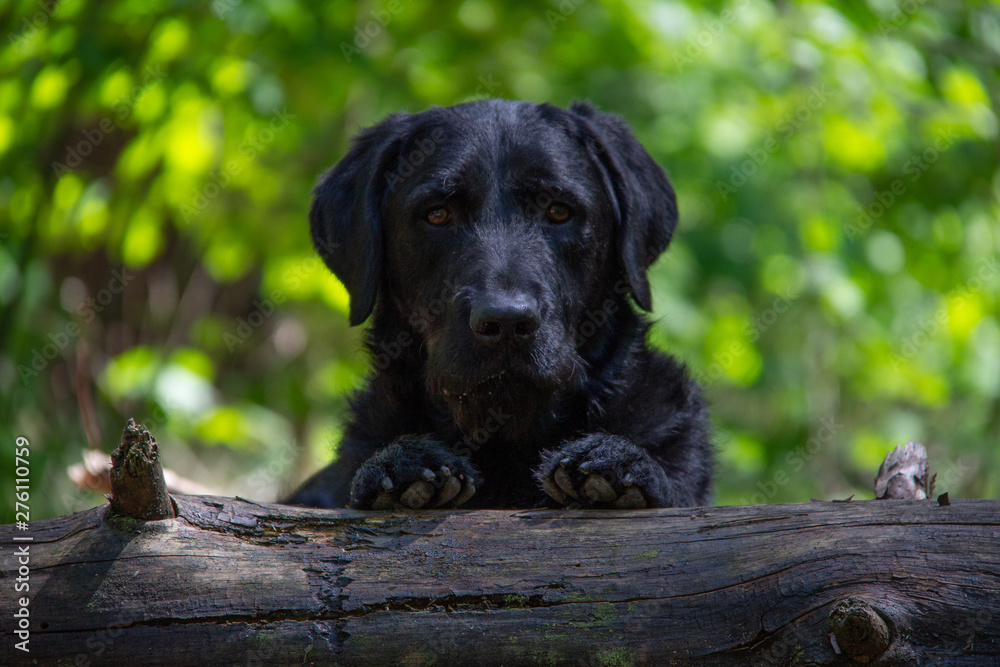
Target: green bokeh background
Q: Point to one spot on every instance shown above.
(834, 281)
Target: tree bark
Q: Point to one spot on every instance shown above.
(231, 581)
(138, 489)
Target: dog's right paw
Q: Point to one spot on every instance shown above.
(413, 474)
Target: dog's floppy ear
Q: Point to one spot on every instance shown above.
(642, 196)
(345, 218)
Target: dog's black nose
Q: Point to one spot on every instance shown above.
(511, 318)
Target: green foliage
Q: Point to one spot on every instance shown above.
(834, 280)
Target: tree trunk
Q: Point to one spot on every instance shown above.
(230, 581)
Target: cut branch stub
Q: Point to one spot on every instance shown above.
(904, 474)
(137, 486)
(860, 630)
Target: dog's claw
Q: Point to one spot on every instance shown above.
(451, 488)
(561, 478)
(387, 483)
(428, 475)
(466, 493)
(553, 490)
(586, 467)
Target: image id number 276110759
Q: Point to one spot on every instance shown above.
(22, 515)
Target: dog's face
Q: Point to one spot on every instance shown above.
(502, 237)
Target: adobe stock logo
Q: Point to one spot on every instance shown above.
(711, 30)
(60, 340)
(409, 163)
(566, 9)
(786, 127)
(245, 327)
(795, 461)
(31, 25)
(930, 327)
(94, 137)
(724, 359)
(471, 442)
(219, 179)
(364, 34)
(914, 167)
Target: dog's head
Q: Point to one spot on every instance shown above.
(504, 237)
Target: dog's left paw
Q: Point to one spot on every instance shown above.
(604, 471)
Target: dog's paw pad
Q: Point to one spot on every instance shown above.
(383, 501)
(630, 499)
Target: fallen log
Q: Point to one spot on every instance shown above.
(178, 579)
(232, 581)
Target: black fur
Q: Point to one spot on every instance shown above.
(510, 367)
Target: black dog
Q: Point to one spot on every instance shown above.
(499, 244)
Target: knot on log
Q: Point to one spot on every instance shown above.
(860, 630)
(138, 489)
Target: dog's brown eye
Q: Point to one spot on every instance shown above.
(558, 213)
(438, 216)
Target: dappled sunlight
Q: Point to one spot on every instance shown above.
(833, 278)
